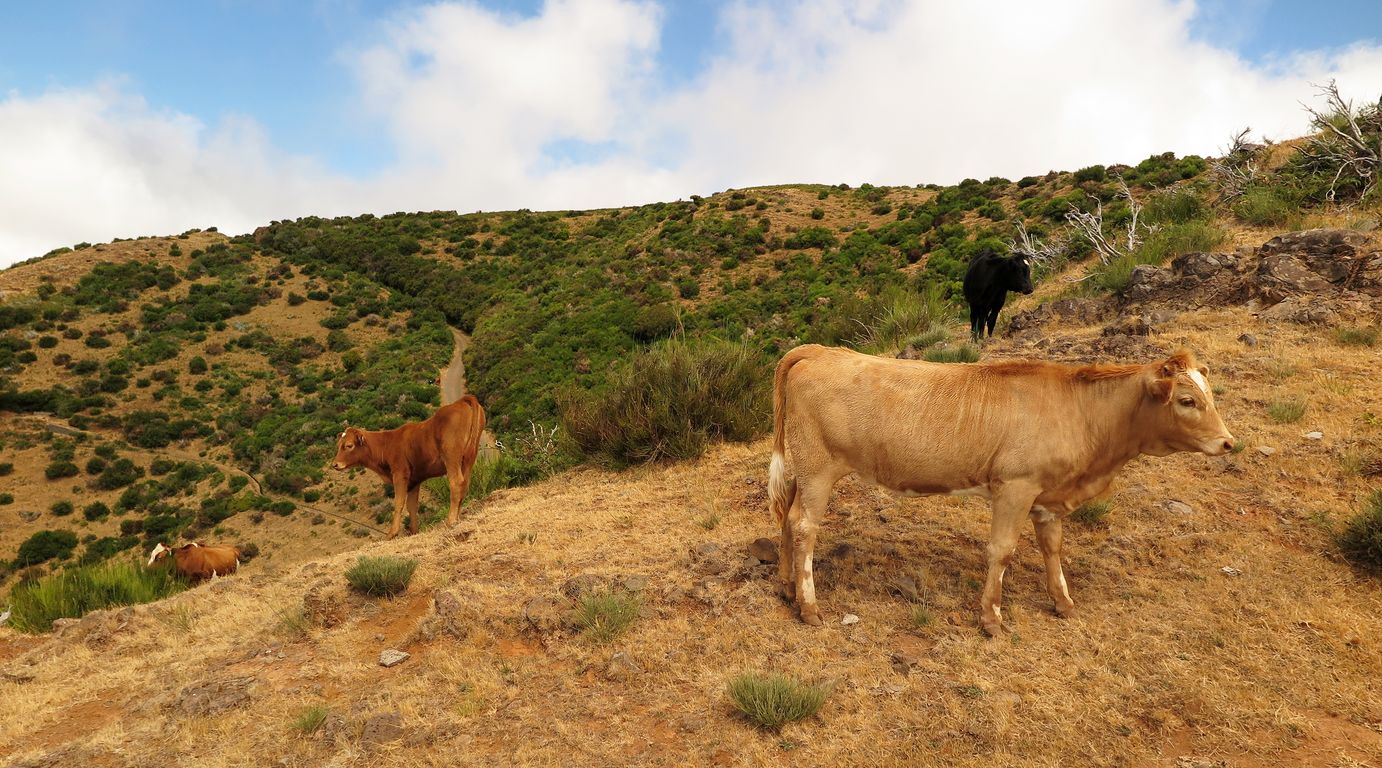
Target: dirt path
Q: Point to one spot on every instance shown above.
(452, 383)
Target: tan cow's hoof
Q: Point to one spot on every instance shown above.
(811, 616)
(992, 628)
(1066, 611)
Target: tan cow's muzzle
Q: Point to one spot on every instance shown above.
(1219, 445)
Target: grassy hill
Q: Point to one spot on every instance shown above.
(192, 386)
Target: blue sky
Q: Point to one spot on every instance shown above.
(153, 115)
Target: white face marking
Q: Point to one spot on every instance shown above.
(157, 548)
(1199, 380)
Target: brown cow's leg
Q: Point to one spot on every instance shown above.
(400, 502)
(1010, 504)
(807, 515)
(412, 509)
(1048, 534)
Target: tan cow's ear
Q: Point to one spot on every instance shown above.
(1204, 370)
(1160, 389)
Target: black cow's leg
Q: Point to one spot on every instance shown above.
(976, 322)
(993, 318)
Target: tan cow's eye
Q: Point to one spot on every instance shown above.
(1188, 402)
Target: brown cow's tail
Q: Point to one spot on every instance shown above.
(782, 490)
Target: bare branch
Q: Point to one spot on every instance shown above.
(1090, 225)
(1238, 168)
(1347, 143)
(1041, 251)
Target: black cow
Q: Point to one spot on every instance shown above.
(987, 283)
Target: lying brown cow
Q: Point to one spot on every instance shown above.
(444, 444)
(197, 562)
(1037, 439)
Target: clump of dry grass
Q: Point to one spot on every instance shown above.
(1356, 337)
(381, 576)
(1286, 411)
(603, 616)
(310, 720)
(1361, 539)
(1092, 512)
(773, 700)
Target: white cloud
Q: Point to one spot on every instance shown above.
(477, 105)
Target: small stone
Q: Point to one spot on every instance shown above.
(1314, 435)
(706, 550)
(1229, 570)
(1248, 340)
(848, 619)
(382, 728)
(906, 586)
(1178, 507)
(764, 549)
(634, 583)
(581, 585)
(904, 661)
(622, 666)
(1265, 450)
(392, 658)
(28, 515)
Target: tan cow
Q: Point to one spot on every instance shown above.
(1037, 439)
(198, 562)
(446, 443)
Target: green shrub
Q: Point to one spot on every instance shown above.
(1286, 411)
(773, 700)
(1268, 207)
(964, 353)
(96, 511)
(1356, 337)
(6, 499)
(77, 591)
(1092, 512)
(60, 469)
(1177, 205)
(1361, 538)
(44, 546)
(196, 365)
(310, 719)
(1096, 173)
(6, 468)
(818, 213)
(898, 316)
(61, 508)
(670, 402)
(812, 237)
(118, 474)
(47, 342)
(95, 465)
(604, 615)
(381, 576)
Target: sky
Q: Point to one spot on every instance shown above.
(121, 118)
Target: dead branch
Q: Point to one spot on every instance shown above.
(1238, 168)
(1347, 142)
(1090, 225)
(1041, 251)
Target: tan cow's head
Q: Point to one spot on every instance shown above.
(1184, 416)
(350, 449)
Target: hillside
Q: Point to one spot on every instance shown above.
(1215, 625)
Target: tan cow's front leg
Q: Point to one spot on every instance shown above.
(1048, 534)
(413, 509)
(400, 502)
(1011, 503)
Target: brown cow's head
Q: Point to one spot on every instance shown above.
(1185, 417)
(350, 449)
(160, 552)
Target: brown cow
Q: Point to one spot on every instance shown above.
(444, 444)
(1037, 439)
(197, 562)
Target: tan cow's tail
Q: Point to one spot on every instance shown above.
(477, 429)
(782, 490)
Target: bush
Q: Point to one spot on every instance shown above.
(196, 365)
(670, 402)
(1092, 512)
(295, 299)
(61, 508)
(119, 474)
(78, 591)
(1267, 207)
(381, 576)
(812, 237)
(1356, 337)
(1361, 539)
(96, 511)
(896, 317)
(6, 499)
(6, 468)
(44, 546)
(773, 700)
(817, 213)
(1176, 206)
(603, 616)
(95, 465)
(47, 342)
(310, 719)
(60, 469)
(1286, 411)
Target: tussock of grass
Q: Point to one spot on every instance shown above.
(293, 622)
(901, 317)
(1356, 337)
(1286, 411)
(1361, 539)
(381, 576)
(922, 616)
(603, 616)
(928, 339)
(1092, 512)
(310, 720)
(1268, 206)
(75, 592)
(773, 700)
(965, 353)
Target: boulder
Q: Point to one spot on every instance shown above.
(213, 697)
(382, 728)
(546, 614)
(1147, 282)
(1204, 266)
(764, 550)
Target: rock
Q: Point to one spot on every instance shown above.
(583, 584)
(904, 661)
(1147, 281)
(849, 619)
(1131, 326)
(622, 666)
(546, 614)
(28, 515)
(213, 697)
(633, 583)
(1162, 317)
(448, 617)
(1204, 265)
(764, 550)
(382, 728)
(1177, 507)
(1248, 340)
(1075, 311)
(392, 658)
(1316, 261)
(706, 550)
(906, 586)
(1229, 570)
(1300, 311)
(1314, 435)
(1266, 450)
(324, 605)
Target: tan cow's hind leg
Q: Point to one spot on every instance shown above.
(1048, 535)
(412, 509)
(807, 514)
(785, 573)
(459, 482)
(1011, 503)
